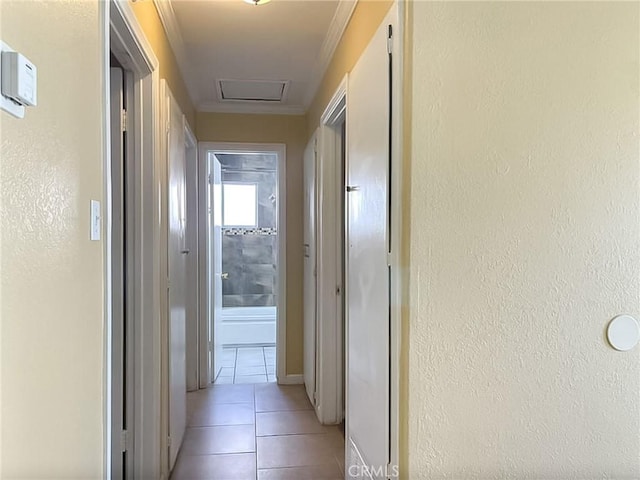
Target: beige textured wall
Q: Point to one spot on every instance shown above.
(51, 275)
(364, 22)
(147, 16)
(290, 130)
(526, 242)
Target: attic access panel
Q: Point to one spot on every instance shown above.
(274, 91)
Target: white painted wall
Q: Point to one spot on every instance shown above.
(525, 240)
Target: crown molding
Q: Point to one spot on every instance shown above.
(172, 29)
(334, 34)
(338, 25)
(254, 109)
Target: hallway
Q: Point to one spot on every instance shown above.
(263, 431)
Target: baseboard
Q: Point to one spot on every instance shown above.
(291, 380)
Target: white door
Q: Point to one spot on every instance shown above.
(215, 265)
(367, 237)
(176, 243)
(309, 283)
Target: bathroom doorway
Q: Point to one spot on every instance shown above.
(245, 252)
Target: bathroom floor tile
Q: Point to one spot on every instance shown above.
(250, 379)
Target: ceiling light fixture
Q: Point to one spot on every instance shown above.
(257, 2)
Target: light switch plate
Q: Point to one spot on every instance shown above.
(95, 220)
(6, 103)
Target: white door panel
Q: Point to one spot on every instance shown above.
(215, 256)
(310, 296)
(176, 243)
(367, 277)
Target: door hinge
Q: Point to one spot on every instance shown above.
(124, 440)
(389, 40)
(388, 259)
(124, 120)
(168, 440)
(211, 179)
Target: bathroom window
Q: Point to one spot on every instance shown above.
(240, 204)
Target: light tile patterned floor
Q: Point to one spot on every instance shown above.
(257, 432)
(248, 365)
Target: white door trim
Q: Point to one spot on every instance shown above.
(281, 318)
(123, 35)
(399, 272)
(190, 137)
(329, 404)
(193, 269)
(204, 375)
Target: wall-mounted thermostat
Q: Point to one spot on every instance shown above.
(19, 84)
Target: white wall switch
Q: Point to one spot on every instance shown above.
(96, 220)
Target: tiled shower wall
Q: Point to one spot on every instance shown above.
(249, 256)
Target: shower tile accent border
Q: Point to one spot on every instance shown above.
(249, 231)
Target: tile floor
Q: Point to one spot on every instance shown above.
(257, 432)
(247, 365)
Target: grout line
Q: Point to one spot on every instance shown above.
(255, 428)
(264, 364)
(235, 365)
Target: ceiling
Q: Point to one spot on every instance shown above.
(287, 43)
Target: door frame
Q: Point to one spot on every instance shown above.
(281, 315)
(330, 261)
(123, 314)
(311, 274)
(329, 254)
(123, 36)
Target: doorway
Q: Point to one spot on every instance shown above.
(325, 319)
(132, 401)
(243, 207)
(122, 326)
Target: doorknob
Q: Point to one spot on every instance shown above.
(224, 275)
(352, 188)
(185, 251)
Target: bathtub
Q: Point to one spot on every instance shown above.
(243, 326)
